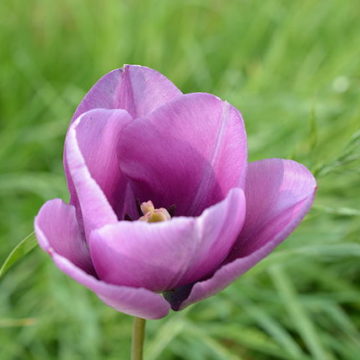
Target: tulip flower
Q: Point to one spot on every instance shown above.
(165, 209)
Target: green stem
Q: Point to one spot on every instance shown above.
(138, 335)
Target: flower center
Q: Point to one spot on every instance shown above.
(151, 214)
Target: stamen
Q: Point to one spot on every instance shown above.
(151, 214)
(147, 206)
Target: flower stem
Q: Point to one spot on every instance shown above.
(138, 335)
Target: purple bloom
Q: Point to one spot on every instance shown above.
(136, 138)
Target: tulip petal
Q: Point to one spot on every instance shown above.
(136, 89)
(58, 234)
(188, 153)
(99, 187)
(275, 190)
(278, 195)
(59, 220)
(165, 255)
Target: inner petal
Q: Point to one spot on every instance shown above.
(189, 152)
(164, 255)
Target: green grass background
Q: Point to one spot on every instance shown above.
(291, 67)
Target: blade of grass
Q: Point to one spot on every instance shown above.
(210, 342)
(17, 322)
(274, 328)
(20, 250)
(299, 317)
(164, 336)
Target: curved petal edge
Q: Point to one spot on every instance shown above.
(133, 301)
(166, 255)
(295, 187)
(134, 88)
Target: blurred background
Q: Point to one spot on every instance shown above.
(291, 67)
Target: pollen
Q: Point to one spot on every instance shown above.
(151, 214)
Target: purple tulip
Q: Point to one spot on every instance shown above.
(136, 139)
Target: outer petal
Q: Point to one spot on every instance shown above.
(162, 256)
(58, 233)
(278, 194)
(137, 89)
(188, 153)
(59, 220)
(91, 155)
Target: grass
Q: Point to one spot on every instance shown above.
(291, 67)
